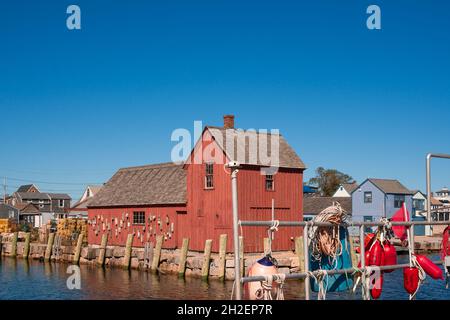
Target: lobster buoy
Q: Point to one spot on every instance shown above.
(377, 287)
(376, 252)
(445, 243)
(429, 267)
(263, 267)
(390, 255)
(367, 259)
(368, 240)
(411, 279)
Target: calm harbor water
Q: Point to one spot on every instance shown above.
(22, 280)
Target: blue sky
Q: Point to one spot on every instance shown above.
(77, 105)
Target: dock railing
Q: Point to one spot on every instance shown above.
(306, 274)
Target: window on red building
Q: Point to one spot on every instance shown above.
(139, 217)
(209, 177)
(270, 186)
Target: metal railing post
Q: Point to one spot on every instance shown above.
(237, 270)
(306, 258)
(362, 252)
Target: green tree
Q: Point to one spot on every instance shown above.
(328, 180)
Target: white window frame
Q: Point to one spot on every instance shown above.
(209, 175)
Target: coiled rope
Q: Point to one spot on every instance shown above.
(319, 277)
(265, 293)
(326, 240)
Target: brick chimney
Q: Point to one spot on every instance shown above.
(228, 121)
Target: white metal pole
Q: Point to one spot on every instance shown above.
(408, 235)
(237, 264)
(272, 233)
(306, 258)
(362, 252)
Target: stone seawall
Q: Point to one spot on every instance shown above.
(169, 261)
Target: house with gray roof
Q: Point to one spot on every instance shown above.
(379, 198)
(50, 205)
(8, 212)
(312, 206)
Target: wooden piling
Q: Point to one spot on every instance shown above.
(206, 260)
(128, 251)
(148, 255)
(241, 255)
(26, 247)
(102, 252)
(48, 250)
(76, 257)
(1, 245)
(353, 252)
(157, 254)
(300, 254)
(14, 244)
(183, 257)
(222, 256)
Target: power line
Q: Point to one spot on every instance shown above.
(10, 186)
(57, 183)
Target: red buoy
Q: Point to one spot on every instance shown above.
(376, 257)
(446, 243)
(429, 267)
(366, 261)
(411, 279)
(368, 240)
(377, 287)
(390, 255)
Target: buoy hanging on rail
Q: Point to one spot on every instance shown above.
(411, 279)
(429, 267)
(263, 267)
(377, 285)
(390, 255)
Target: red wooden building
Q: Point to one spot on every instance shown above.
(193, 199)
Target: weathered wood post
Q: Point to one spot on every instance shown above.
(26, 247)
(183, 257)
(353, 252)
(48, 250)
(76, 257)
(241, 255)
(102, 252)
(128, 251)
(206, 259)
(299, 252)
(1, 245)
(157, 254)
(14, 244)
(222, 256)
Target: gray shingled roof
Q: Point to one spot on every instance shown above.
(350, 187)
(288, 158)
(59, 196)
(33, 196)
(156, 184)
(25, 188)
(391, 186)
(5, 211)
(315, 205)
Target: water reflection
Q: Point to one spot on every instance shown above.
(22, 279)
